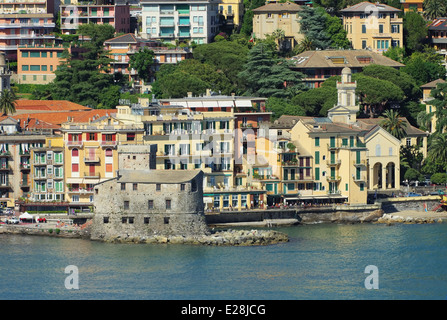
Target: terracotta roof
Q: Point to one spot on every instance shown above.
(332, 58)
(369, 123)
(433, 83)
(366, 7)
(278, 7)
(48, 105)
(125, 38)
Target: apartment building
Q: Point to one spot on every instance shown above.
(373, 26)
(24, 29)
(90, 153)
(283, 16)
(184, 21)
(195, 133)
(232, 11)
(117, 14)
(47, 171)
(29, 6)
(36, 63)
(121, 48)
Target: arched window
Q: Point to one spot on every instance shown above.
(75, 153)
(109, 153)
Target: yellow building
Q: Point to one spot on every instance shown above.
(233, 12)
(199, 133)
(426, 98)
(91, 155)
(283, 16)
(413, 5)
(374, 26)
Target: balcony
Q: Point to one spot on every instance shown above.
(92, 175)
(72, 144)
(333, 178)
(25, 166)
(361, 163)
(6, 185)
(360, 178)
(108, 143)
(5, 154)
(331, 163)
(5, 167)
(91, 158)
(334, 192)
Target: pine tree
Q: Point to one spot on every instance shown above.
(268, 76)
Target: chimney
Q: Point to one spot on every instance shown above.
(208, 92)
(189, 94)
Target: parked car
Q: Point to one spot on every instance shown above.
(13, 220)
(413, 194)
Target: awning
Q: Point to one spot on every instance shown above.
(225, 104)
(243, 103)
(75, 180)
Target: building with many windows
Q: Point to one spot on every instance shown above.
(24, 29)
(278, 16)
(373, 26)
(184, 21)
(413, 5)
(116, 14)
(90, 150)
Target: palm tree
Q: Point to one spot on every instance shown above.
(305, 45)
(434, 9)
(438, 148)
(394, 124)
(8, 101)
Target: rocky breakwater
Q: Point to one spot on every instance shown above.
(219, 238)
(391, 219)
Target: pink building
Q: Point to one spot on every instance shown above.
(117, 15)
(24, 29)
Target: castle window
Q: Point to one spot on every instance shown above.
(166, 220)
(150, 204)
(135, 186)
(123, 186)
(158, 187)
(182, 187)
(126, 205)
(131, 219)
(146, 220)
(168, 204)
(124, 220)
(105, 219)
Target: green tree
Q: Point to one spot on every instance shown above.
(227, 57)
(336, 32)
(142, 61)
(413, 175)
(415, 31)
(423, 67)
(280, 106)
(439, 95)
(316, 102)
(313, 25)
(394, 124)
(267, 76)
(8, 102)
(438, 148)
(434, 9)
(439, 178)
(85, 80)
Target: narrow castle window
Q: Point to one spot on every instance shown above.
(126, 205)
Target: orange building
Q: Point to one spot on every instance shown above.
(416, 5)
(36, 64)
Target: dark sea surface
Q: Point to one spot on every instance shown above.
(322, 261)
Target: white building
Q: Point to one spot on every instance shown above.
(171, 20)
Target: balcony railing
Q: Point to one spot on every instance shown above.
(92, 175)
(75, 143)
(333, 178)
(360, 163)
(108, 143)
(333, 162)
(91, 158)
(5, 167)
(361, 178)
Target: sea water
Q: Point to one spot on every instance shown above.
(323, 261)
